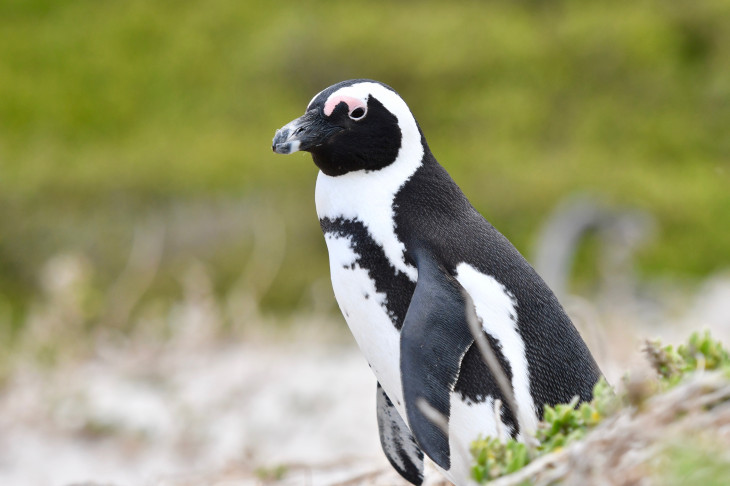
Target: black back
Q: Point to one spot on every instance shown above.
(432, 214)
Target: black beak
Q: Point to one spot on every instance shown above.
(296, 135)
(303, 133)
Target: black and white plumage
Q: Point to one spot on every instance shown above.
(404, 245)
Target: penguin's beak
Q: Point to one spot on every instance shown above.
(304, 133)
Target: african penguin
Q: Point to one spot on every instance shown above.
(405, 247)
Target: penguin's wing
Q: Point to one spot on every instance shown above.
(434, 337)
(398, 444)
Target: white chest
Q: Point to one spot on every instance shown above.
(364, 310)
(368, 198)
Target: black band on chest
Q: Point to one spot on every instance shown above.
(396, 285)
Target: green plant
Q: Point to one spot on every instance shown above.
(565, 423)
(273, 473)
(495, 458)
(701, 352)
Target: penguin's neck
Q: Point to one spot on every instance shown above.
(367, 196)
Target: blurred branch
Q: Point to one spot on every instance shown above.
(621, 232)
(263, 265)
(433, 415)
(142, 267)
(440, 421)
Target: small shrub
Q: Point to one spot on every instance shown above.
(701, 352)
(495, 458)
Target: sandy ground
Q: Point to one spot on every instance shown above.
(168, 416)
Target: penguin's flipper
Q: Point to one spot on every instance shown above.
(434, 337)
(398, 444)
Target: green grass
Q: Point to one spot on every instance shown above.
(694, 462)
(111, 110)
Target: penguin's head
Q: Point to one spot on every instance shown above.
(351, 126)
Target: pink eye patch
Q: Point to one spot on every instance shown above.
(351, 102)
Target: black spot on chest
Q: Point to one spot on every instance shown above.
(396, 285)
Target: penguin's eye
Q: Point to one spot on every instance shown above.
(357, 114)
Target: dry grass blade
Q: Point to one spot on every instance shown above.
(490, 359)
(440, 421)
(433, 415)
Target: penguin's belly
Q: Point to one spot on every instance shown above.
(366, 314)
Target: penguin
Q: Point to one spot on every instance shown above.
(410, 258)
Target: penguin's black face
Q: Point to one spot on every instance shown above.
(356, 136)
(351, 126)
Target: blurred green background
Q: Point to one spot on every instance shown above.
(139, 131)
